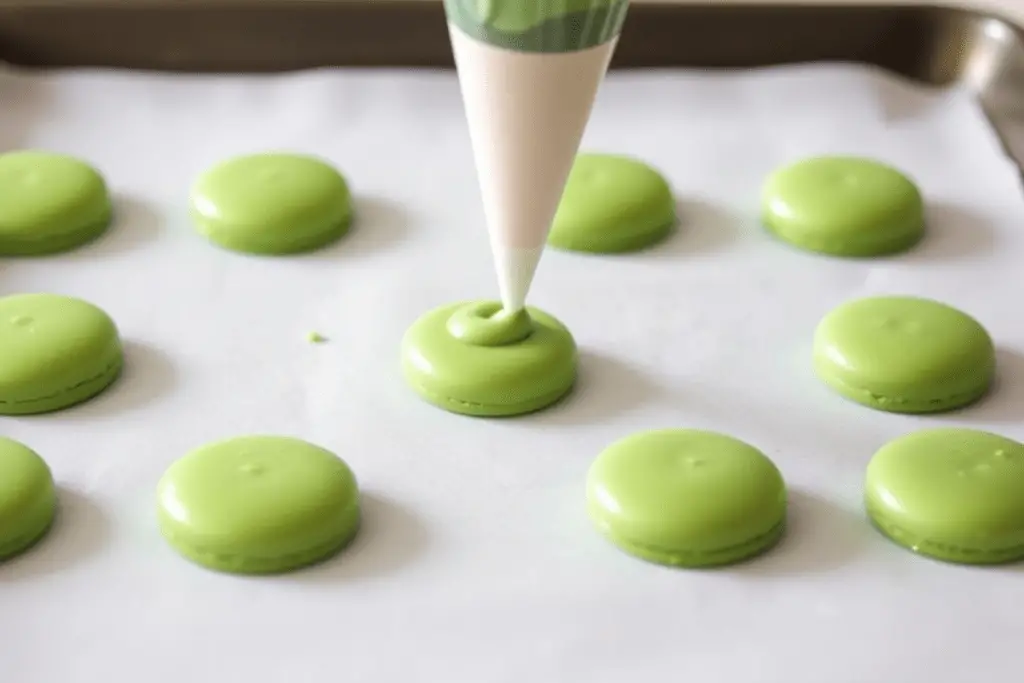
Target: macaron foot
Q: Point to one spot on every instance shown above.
(683, 559)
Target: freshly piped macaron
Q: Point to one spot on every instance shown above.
(272, 204)
(55, 352)
(28, 498)
(687, 498)
(951, 494)
(258, 505)
(843, 206)
(473, 358)
(49, 203)
(904, 354)
(612, 204)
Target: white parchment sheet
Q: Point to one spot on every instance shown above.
(476, 562)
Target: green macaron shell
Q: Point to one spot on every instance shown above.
(470, 358)
(28, 498)
(271, 204)
(843, 206)
(49, 203)
(951, 494)
(55, 351)
(904, 355)
(687, 498)
(258, 505)
(539, 25)
(612, 204)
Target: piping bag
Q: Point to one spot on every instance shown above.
(529, 71)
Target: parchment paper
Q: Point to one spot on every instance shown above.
(476, 562)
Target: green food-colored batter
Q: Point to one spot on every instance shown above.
(55, 352)
(843, 206)
(49, 203)
(258, 505)
(952, 494)
(904, 354)
(474, 359)
(28, 498)
(687, 497)
(539, 25)
(612, 204)
(272, 204)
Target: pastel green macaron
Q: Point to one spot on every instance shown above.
(28, 498)
(951, 494)
(843, 206)
(258, 505)
(272, 204)
(55, 352)
(687, 498)
(49, 203)
(904, 354)
(473, 358)
(612, 204)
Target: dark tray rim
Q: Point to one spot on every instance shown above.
(932, 44)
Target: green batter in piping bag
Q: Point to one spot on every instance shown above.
(539, 25)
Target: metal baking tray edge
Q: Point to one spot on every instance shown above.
(935, 45)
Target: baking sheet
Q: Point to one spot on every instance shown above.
(476, 561)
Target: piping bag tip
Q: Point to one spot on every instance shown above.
(516, 268)
(511, 304)
(526, 113)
